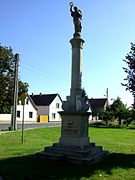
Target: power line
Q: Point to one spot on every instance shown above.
(44, 71)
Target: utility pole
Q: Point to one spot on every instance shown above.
(107, 96)
(14, 111)
(107, 93)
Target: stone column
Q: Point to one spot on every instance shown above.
(75, 102)
(76, 76)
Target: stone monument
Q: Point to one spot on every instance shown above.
(74, 144)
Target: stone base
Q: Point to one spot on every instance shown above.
(90, 154)
(74, 145)
(70, 141)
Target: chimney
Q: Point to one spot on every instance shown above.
(32, 94)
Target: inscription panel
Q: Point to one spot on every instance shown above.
(69, 128)
(74, 126)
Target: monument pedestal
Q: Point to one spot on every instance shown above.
(74, 129)
(74, 145)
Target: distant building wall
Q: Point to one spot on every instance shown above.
(54, 108)
(43, 110)
(30, 114)
(5, 118)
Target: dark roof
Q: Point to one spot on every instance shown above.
(32, 102)
(97, 104)
(43, 99)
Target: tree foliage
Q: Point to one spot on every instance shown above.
(119, 110)
(106, 115)
(6, 78)
(22, 91)
(84, 95)
(130, 71)
(7, 66)
(130, 116)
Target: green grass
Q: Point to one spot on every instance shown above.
(18, 161)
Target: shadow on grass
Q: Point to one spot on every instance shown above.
(32, 168)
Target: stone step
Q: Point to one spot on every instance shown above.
(88, 160)
(74, 147)
(71, 153)
(46, 155)
(73, 159)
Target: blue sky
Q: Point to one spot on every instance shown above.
(40, 31)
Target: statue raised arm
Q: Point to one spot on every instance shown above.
(77, 17)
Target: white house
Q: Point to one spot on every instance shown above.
(28, 111)
(48, 105)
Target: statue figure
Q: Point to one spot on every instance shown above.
(77, 17)
(78, 103)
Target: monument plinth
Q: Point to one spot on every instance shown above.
(74, 129)
(74, 144)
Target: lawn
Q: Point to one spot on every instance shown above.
(18, 161)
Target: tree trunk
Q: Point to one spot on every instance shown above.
(119, 121)
(134, 102)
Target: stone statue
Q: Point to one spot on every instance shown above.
(78, 103)
(77, 17)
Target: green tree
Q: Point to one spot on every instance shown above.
(130, 116)
(130, 71)
(7, 66)
(84, 95)
(119, 110)
(6, 78)
(22, 90)
(106, 115)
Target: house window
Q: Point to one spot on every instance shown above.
(27, 101)
(18, 114)
(57, 105)
(53, 115)
(30, 114)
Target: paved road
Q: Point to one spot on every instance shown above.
(35, 125)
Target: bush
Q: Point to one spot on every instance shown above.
(97, 124)
(124, 122)
(10, 128)
(131, 125)
(7, 129)
(112, 124)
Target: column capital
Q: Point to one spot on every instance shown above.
(77, 42)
